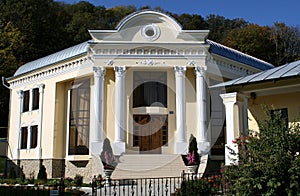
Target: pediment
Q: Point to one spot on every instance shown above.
(149, 27)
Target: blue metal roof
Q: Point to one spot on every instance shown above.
(238, 56)
(281, 72)
(53, 58)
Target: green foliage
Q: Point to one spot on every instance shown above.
(42, 175)
(204, 186)
(78, 180)
(12, 173)
(268, 163)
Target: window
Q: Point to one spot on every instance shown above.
(150, 89)
(79, 118)
(33, 139)
(26, 101)
(35, 99)
(24, 135)
(283, 115)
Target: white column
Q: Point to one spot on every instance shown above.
(203, 144)
(119, 142)
(40, 122)
(232, 118)
(20, 109)
(245, 116)
(181, 143)
(29, 137)
(96, 137)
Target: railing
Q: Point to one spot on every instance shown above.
(186, 184)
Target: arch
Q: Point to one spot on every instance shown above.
(146, 13)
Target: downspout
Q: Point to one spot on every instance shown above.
(4, 83)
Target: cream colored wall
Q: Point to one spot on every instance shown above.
(108, 110)
(54, 121)
(288, 100)
(191, 107)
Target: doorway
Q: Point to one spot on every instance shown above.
(150, 133)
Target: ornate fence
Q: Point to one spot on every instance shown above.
(186, 184)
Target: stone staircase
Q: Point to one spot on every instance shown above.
(152, 166)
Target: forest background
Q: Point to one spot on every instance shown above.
(31, 29)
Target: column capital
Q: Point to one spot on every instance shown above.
(99, 71)
(120, 70)
(229, 97)
(180, 70)
(200, 71)
(20, 94)
(41, 88)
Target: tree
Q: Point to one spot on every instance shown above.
(219, 26)
(268, 163)
(11, 48)
(252, 39)
(287, 43)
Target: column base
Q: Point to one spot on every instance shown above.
(203, 148)
(119, 148)
(181, 147)
(231, 154)
(96, 147)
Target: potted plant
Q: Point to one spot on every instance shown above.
(192, 158)
(108, 160)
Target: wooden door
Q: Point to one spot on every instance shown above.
(149, 131)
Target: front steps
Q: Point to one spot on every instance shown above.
(152, 166)
(147, 166)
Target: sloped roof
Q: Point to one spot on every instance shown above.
(53, 58)
(238, 56)
(281, 72)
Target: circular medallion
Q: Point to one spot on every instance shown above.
(150, 32)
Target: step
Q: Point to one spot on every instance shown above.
(147, 166)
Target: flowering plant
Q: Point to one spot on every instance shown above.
(108, 159)
(192, 157)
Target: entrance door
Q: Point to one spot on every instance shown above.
(150, 133)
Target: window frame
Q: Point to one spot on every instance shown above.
(73, 148)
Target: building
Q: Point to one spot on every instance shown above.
(247, 98)
(144, 86)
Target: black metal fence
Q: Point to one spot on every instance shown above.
(186, 184)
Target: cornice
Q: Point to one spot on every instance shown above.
(47, 72)
(238, 69)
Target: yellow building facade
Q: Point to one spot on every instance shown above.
(145, 86)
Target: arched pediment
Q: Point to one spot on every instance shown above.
(149, 26)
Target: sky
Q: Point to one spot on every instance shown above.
(262, 12)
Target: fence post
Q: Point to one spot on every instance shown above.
(94, 186)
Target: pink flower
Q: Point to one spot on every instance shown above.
(109, 158)
(233, 141)
(191, 158)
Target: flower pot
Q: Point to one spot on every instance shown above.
(192, 169)
(108, 173)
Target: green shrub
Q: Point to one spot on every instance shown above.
(78, 180)
(42, 175)
(269, 162)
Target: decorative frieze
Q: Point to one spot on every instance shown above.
(229, 67)
(150, 51)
